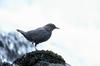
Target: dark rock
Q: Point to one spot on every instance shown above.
(42, 63)
(39, 58)
(5, 64)
(1, 44)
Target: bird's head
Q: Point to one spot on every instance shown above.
(50, 27)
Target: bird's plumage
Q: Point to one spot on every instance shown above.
(40, 34)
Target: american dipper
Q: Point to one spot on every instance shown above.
(40, 34)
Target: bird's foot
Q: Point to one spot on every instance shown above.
(36, 49)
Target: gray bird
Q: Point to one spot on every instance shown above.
(40, 34)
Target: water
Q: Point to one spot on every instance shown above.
(12, 46)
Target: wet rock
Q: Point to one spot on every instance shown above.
(5, 64)
(10, 45)
(1, 44)
(42, 63)
(40, 58)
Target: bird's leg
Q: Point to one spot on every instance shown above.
(35, 46)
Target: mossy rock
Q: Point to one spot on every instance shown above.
(5, 64)
(35, 57)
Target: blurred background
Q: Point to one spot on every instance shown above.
(77, 40)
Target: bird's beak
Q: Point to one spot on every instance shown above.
(57, 28)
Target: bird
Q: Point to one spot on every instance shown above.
(39, 35)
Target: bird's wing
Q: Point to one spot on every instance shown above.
(39, 34)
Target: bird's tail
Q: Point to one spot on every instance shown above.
(22, 32)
